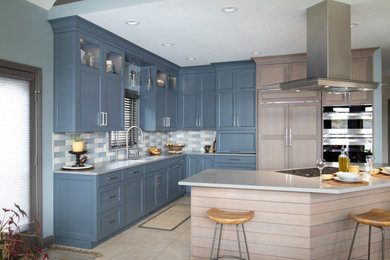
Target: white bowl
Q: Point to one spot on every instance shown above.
(348, 176)
(387, 169)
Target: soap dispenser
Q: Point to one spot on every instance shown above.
(344, 161)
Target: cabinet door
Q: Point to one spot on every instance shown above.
(225, 110)
(207, 163)
(133, 199)
(207, 119)
(233, 141)
(305, 136)
(272, 140)
(360, 98)
(189, 111)
(161, 181)
(89, 103)
(296, 71)
(246, 116)
(174, 175)
(112, 102)
(171, 109)
(193, 167)
(330, 99)
(150, 193)
(160, 108)
(270, 74)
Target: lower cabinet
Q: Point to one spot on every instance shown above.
(198, 163)
(90, 208)
(230, 162)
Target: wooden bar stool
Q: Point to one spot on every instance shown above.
(377, 218)
(229, 217)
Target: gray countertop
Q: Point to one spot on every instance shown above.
(276, 181)
(105, 167)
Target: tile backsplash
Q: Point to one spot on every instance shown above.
(97, 145)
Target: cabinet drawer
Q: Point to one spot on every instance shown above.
(151, 167)
(109, 222)
(109, 196)
(110, 178)
(133, 172)
(176, 160)
(235, 159)
(236, 166)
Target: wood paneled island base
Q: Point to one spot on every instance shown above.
(289, 225)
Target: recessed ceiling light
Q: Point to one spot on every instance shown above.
(191, 59)
(256, 52)
(353, 25)
(229, 9)
(167, 44)
(132, 22)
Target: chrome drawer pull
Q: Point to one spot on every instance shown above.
(110, 197)
(134, 172)
(111, 178)
(112, 221)
(175, 166)
(234, 159)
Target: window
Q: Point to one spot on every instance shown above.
(118, 138)
(20, 126)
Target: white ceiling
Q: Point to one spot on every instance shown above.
(199, 29)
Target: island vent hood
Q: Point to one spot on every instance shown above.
(328, 51)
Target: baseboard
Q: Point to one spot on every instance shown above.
(48, 241)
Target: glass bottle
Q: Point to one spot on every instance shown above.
(344, 161)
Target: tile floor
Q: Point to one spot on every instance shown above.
(149, 244)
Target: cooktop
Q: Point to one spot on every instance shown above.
(310, 172)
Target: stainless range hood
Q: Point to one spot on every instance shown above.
(329, 51)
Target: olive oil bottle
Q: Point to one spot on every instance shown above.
(344, 161)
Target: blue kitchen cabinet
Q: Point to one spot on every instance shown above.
(234, 162)
(156, 182)
(235, 107)
(87, 98)
(175, 174)
(158, 103)
(161, 178)
(198, 163)
(133, 194)
(197, 98)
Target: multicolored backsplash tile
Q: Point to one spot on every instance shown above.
(97, 145)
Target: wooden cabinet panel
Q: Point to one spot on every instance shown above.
(296, 71)
(360, 97)
(304, 153)
(272, 120)
(361, 69)
(272, 154)
(270, 74)
(304, 118)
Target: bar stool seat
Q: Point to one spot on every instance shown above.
(376, 217)
(222, 217)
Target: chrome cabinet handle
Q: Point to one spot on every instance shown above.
(234, 121)
(290, 135)
(176, 166)
(238, 122)
(158, 180)
(134, 172)
(110, 197)
(100, 119)
(111, 178)
(106, 114)
(285, 137)
(232, 159)
(112, 221)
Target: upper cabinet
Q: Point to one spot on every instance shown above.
(197, 98)
(158, 99)
(236, 96)
(88, 83)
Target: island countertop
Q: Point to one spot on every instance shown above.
(275, 181)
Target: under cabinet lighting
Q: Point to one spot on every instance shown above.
(132, 22)
(229, 9)
(167, 44)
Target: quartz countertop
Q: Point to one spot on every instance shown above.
(275, 181)
(105, 167)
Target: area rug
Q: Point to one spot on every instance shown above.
(169, 219)
(67, 253)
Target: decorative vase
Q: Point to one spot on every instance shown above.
(78, 146)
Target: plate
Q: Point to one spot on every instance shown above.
(338, 179)
(175, 151)
(385, 172)
(70, 167)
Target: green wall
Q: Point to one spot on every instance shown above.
(26, 37)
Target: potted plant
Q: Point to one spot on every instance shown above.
(77, 144)
(15, 243)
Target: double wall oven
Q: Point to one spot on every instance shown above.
(350, 127)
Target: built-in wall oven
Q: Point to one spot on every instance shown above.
(350, 127)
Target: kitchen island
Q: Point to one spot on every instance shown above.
(295, 217)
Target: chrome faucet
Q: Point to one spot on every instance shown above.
(137, 144)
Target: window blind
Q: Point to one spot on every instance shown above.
(15, 153)
(118, 138)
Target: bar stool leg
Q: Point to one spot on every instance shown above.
(369, 241)
(246, 243)
(212, 246)
(238, 241)
(353, 240)
(383, 243)
(219, 241)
